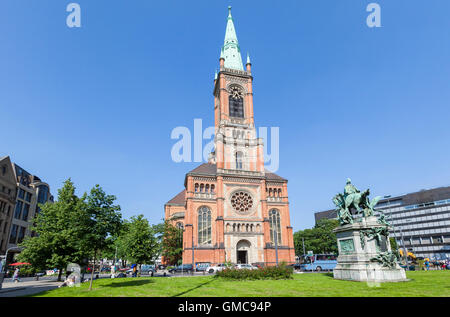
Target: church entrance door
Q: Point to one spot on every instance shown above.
(242, 252)
(242, 257)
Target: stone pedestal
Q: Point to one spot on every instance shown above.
(356, 253)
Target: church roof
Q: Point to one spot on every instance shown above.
(231, 51)
(206, 168)
(274, 177)
(211, 169)
(178, 199)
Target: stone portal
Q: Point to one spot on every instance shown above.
(242, 249)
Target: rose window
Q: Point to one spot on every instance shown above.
(241, 202)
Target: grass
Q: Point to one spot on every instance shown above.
(421, 284)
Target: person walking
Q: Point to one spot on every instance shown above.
(16, 278)
(427, 264)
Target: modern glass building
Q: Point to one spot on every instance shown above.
(420, 221)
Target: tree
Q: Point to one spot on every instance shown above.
(319, 239)
(60, 229)
(172, 243)
(140, 241)
(104, 220)
(394, 245)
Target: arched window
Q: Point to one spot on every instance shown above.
(196, 187)
(202, 188)
(212, 188)
(204, 226)
(207, 188)
(275, 226)
(279, 192)
(179, 225)
(238, 160)
(236, 102)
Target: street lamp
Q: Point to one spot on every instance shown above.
(405, 253)
(6, 254)
(276, 245)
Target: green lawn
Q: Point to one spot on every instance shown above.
(431, 283)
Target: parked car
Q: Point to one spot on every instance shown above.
(295, 266)
(216, 268)
(120, 274)
(319, 262)
(201, 267)
(182, 268)
(245, 267)
(147, 269)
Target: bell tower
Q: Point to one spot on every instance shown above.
(237, 148)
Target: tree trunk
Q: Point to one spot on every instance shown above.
(59, 275)
(92, 272)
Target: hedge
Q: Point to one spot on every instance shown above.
(266, 273)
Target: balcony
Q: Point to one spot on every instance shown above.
(205, 195)
(274, 199)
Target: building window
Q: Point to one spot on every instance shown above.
(275, 226)
(26, 210)
(204, 226)
(21, 235)
(18, 210)
(13, 236)
(43, 194)
(236, 102)
(242, 202)
(21, 193)
(28, 197)
(239, 160)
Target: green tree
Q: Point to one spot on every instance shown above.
(394, 245)
(319, 239)
(60, 229)
(172, 244)
(104, 220)
(140, 241)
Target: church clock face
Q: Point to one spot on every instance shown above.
(236, 101)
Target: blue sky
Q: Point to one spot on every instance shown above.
(98, 103)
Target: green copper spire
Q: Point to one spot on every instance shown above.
(231, 50)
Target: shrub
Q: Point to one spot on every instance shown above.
(267, 273)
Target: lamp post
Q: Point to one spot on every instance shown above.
(181, 227)
(303, 241)
(6, 264)
(193, 262)
(276, 245)
(405, 253)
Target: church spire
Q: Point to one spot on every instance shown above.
(231, 50)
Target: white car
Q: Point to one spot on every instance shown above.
(246, 267)
(216, 268)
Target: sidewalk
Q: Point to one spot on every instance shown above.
(27, 287)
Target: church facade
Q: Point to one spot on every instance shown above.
(231, 208)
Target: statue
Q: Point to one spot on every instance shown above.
(365, 252)
(353, 198)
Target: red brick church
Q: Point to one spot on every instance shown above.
(232, 209)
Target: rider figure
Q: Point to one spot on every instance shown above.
(350, 189)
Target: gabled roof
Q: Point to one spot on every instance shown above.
(178, 199)
(275, 177)
(211, 169)
(206, 169)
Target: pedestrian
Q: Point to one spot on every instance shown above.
(427, 264)
(16, 278)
